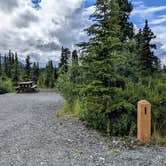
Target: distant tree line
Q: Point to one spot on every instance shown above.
(46, 77)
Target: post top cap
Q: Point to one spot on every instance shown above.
(143, 102)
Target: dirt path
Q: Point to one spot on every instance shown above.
(31, 135)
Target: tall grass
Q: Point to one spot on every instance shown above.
(6, 86)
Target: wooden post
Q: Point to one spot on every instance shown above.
(144, 121)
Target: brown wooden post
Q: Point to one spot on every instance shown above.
(144, 121)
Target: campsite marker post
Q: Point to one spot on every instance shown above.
(144, 121)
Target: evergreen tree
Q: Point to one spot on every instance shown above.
(13, 59)
(9, 64)
(5, 65)
(149, 63)
(55, 73)
(98, 64)
(33, 76)
(51, 68)
(65, 55)
(15, 77)
(35, 72)
(0, 65)
(105, 40)
(164, 69)
(127, 27)
(27, 68)
(74, 57)
(49, 75)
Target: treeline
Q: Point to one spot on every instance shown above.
(11, 68)
(116, 68)
(13, 71)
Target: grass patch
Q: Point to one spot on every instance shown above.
(157, 139)
(6, 86)
(70, 109)
(116, 151)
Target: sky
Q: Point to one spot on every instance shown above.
(40, 28)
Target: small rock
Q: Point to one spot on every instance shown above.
(101, 158)
(91, 156)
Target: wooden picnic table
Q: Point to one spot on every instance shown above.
(26, 87)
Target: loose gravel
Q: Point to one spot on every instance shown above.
(31, 135)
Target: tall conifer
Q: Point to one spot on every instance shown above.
(27, 68)
(149, 63)
(15, 76)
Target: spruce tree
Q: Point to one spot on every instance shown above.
(46, 76)
(9, 63)
(74, 57)
(51, 79)
(0, 65)
(49, 75)
(105, 40)
(55, 73)
(101, 80)
(33, 75)
(65, 55)
(6, 65)
(15, 77)
(27, 68)
(35, 72)
(127, 27)
(149, 63)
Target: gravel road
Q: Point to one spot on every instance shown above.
(31, 135)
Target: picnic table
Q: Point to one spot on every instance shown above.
(26, 87)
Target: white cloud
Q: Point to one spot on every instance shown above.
(41, 32)
(159, 20)
(89, 11)
(163, 60)
(144, 10)
(160, 32)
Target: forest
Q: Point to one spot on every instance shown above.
(102, 81)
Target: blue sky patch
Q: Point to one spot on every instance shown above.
(36, 4)
(88, 3)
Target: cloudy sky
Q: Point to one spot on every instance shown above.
(40, 27)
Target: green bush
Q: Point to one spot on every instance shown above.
(6, 86)
(70, 109)
(116, 112)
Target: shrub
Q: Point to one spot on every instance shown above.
(5, 86)
(70, 109)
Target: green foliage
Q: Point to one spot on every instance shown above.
(149, 63)
(15, 76)
(5, 85)
(27, 68)
(35, 72)
(67, 88)
(0, 65)
(65, 55)
(115, 71)
(108, 79)
(70, 109)
(49, 79)
(13, 69)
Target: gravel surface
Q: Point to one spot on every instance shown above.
(31, 135)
